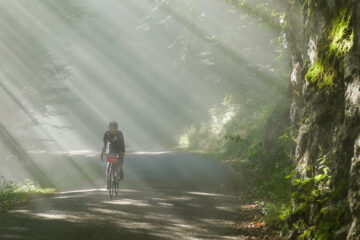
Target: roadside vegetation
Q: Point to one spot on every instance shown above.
(255, 142)
(12, 193)
(250, 129)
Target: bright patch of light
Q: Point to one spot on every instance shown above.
(150, 153)
(219, 121)
(208, 194)
(132, 202)
(51, 216)
(166, 204)
(225, 208)
(184, 226)
(83, 191)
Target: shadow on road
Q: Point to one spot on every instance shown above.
(165, 196)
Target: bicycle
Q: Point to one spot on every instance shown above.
(114, 174)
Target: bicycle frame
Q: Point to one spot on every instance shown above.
(113, 174)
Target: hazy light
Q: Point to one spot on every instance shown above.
(64, 77)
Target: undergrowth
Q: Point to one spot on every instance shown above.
(258, 150)
(12, 193)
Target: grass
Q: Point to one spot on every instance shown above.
(12, 193)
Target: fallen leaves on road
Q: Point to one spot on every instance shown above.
(249, 226)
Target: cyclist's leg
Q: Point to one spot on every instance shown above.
(121, 167)
(107, 175)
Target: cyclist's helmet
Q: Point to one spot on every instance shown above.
(113, 124)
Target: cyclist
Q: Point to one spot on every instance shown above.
(115, 139)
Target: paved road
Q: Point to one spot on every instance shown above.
(167, 195)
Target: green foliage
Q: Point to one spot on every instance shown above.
(222, 56)
(275, 214)
(315, 192)
(228, 121)
(310, 5)
(247, 130)
(321, 74)
(341, 34)
(257, 146)
(314, 189)
(327, 222)
(210, 136)
(335, 45)
(267, 13)
(12, 193)
(307, 234)
(270, 164)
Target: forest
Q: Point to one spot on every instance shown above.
(240, 119)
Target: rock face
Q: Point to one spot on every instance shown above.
(323, 37)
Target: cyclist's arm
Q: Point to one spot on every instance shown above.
(105, 139)
(122, 142)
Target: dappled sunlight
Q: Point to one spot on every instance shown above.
(183, 226)
(166, 204)
(132, 202)
(75, 75)
(70, 196)
(158, 68)
(149, 153)
(59, 216)
(136, 224)
(112, 212)
(82, 191)
(19, 211)
(158, 212)
(226, 208)
(181, 198)
(147, 199)
(51, 216)
(217, 222)
(210, 194)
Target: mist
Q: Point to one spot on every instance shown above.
(156, 67)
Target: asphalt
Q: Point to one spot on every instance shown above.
(165, 195)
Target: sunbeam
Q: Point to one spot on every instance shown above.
(156, 67)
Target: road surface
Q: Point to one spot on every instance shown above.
(165, 195)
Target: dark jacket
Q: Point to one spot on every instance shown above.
(116, 141)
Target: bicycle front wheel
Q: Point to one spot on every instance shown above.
(117, 181)
(112, 187)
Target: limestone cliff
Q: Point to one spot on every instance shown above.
(323, 38)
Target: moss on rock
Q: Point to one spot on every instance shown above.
(336, 43)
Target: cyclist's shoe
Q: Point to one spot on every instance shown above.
(107, 187)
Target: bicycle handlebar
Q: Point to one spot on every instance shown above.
(112, 154)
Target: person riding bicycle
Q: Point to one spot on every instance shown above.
(115, 139)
